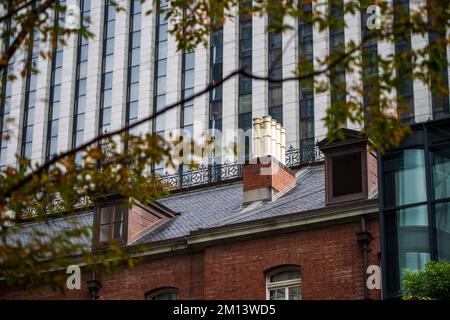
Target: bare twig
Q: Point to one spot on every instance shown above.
(42, 168)
(12, 11)
(27, 27)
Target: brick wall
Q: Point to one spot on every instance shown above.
(281, 178)
(330, 262)
(329, 258)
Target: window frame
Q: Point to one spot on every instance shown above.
(97, 244)
(329, 174)
(149, 295)
(285, 284)
(427, 136)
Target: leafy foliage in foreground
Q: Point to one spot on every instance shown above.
(430, 283)
(29, 191)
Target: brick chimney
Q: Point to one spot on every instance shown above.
(266, 174)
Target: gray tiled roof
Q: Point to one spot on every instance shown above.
(47, 229)
(308, 194)
(223, 205)
(211, 207)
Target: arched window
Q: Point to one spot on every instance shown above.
(283, 284)
(163, 294)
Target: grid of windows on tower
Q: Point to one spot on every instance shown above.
(306, 89)
(134, 52)
(80, 83)
(216, 74)
(159, 97)
(5, 102)
(107, 68)
(439, 101)
(369, 67)
(245, 62)
(337, 47)
(55, 89)
(405, 94)
(30, 96)
(187, 110)
(187, 90)
(187, 87)
(275, 72)
(215, 95)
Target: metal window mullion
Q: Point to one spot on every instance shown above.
(430, 196)
(111, 222)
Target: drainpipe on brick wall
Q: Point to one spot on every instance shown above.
(364, 239)
(94, 286)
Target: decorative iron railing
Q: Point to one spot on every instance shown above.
(306, 154)
(57, 206)
(214, 173)
(205, 174)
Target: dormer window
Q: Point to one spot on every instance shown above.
(350, 168)
(116, 221)
(110, 223)
(346, 171)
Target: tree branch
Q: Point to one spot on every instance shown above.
(12, 12)
(28, 24)
(42, 168)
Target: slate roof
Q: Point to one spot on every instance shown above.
(52, 226)
(223, 205)
(216, 206)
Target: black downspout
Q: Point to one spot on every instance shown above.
(94, 286)
(383, 247)
(364, 239)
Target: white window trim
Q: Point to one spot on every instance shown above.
(286, 284)
(158, 292)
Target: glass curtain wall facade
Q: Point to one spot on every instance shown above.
(215, 95)
(159, 98)
(30, 97)
(55, 88)
(187, 86)
(187, 109)
(245, 62)
(80, 82)
(187, 90)
(337, 47)
(216, 74)
(439, 101)
(415, 202)
(5, 102)
(369, 66)
(107, 68)
(275, 72)
(134, 52)
(405, 94)
(306, 87)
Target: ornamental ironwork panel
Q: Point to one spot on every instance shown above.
(307, 153)
(57, 206)
(204, 174)
(213, 173)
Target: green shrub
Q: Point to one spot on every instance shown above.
(432, 282)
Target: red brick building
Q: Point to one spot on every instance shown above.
(281, 237)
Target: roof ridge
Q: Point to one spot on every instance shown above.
(280, 203)
(198, 191)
